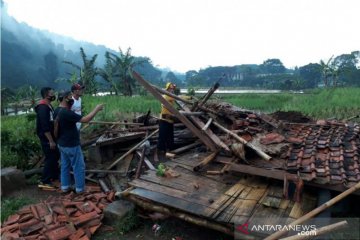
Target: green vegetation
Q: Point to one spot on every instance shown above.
(11, 205)
(120, 107)
(339, 103)
(20, 143)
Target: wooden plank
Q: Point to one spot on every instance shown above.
(296, 211)
(240, 207)
(272, 173)
(171, 201)
(243, 141)
(103, 141)
(184, 181)
(131, 150)
(205, 139)
(208, 131)
(186, 148)
(205, 161)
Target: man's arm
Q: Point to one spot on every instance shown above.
(92, 114)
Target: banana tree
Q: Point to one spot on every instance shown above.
(87, 71)
(108, 73)
(123, 62)
(326, 70)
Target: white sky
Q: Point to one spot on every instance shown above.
(192, 34)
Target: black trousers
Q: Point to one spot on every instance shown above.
(166, 136)
(51, 163)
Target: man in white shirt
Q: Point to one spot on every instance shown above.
(77, 91)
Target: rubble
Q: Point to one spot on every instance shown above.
(72, 216)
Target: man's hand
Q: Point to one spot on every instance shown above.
(52, 144)
(99, 107)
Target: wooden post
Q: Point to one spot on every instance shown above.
(243, 141)
(131, 150)
(316, 211)
(141, 160)
(207, 141)
(207, 95)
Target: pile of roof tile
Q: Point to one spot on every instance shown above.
(326, 153)
(67, 217)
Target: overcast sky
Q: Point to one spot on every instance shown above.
(192, 34)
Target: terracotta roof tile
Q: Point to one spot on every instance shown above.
(325, 151)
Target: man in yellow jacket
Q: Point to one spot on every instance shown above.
(166, 123)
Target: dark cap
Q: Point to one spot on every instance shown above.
(63, 94)
(77, 86)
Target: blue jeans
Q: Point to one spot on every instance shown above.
(72, 158)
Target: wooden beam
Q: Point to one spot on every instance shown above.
(191, 113)
(115, 123)
(208, 131)
(131, 150)
(171, 95)
(185, 148)
(243, 141)
(207, 95)
(205, 161)
(207, 141)
(207, 125)
(146, 160)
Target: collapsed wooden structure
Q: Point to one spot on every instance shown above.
(264, 155)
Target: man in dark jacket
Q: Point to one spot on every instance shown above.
(44, 129)
(69, 142)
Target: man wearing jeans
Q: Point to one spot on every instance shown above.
(69, 142)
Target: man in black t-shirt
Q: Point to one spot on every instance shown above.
(69, 142)
(44, 129)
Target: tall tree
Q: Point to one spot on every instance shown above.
(123, 62)
(272, 66)
(87, 71)
(108, 73)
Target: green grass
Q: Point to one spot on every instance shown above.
(18, 132)
(339, 103)
(10, 206)
(120, 107)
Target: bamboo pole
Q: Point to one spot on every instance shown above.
(320, 231)
(243, 141)
(131, 150)
(316, 211)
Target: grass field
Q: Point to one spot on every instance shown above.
(18, 138)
